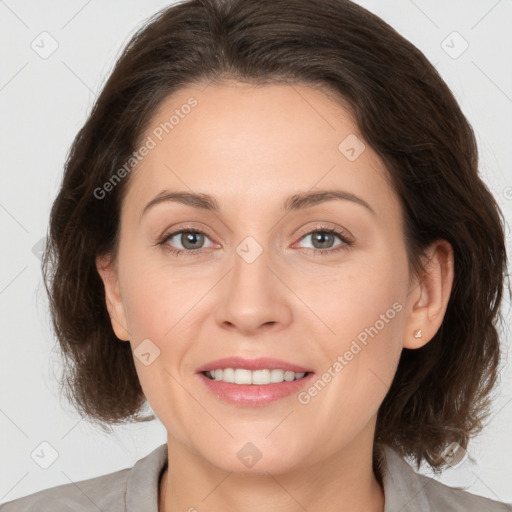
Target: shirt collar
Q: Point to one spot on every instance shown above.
(143, 482)
(403, 490)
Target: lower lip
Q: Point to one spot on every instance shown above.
(254, 395)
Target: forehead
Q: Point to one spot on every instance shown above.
(251, 144)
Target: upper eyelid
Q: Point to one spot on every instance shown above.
(182, 229)
(335, 230)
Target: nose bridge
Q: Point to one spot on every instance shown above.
(251, 279)
(250, 266)
(252, 295)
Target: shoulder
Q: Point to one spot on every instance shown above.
(134, 488)
(409, 491)
(446, 498)
(104, 492)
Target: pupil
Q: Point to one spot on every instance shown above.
(191, 238)
(321, 238)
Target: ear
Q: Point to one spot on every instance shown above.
(429, 295)
(116, 310)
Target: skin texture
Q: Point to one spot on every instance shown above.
(251, 148)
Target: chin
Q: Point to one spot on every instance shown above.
(257, 457)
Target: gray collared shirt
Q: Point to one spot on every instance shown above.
(135, 489)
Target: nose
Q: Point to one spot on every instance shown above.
(253, 297)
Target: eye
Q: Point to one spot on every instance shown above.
(189, 242)
(323, 239)
(186, 240)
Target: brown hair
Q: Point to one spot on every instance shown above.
(404, 110)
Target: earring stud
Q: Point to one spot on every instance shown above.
(417, 333)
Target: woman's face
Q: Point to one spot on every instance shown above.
(263, 279)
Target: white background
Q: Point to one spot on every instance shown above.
(43, 103)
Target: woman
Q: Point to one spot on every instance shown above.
(272, 228)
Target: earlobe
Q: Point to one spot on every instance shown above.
(431, 297)
(113, 300)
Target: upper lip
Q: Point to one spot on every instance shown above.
(252, 364)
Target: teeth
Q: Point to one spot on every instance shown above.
(258, 377)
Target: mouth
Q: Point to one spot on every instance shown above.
(253, 382)
(261, 377)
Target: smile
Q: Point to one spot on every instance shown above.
(263, 377)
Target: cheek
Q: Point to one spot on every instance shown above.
(159, 299)
(360, 295)
(364, 312)
(159, 309)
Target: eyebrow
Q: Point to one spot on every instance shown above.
(295, 202)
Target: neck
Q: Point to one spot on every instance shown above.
(343, 482)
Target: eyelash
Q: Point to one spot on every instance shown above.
(346, 243)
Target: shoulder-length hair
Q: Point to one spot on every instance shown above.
(404, 110)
